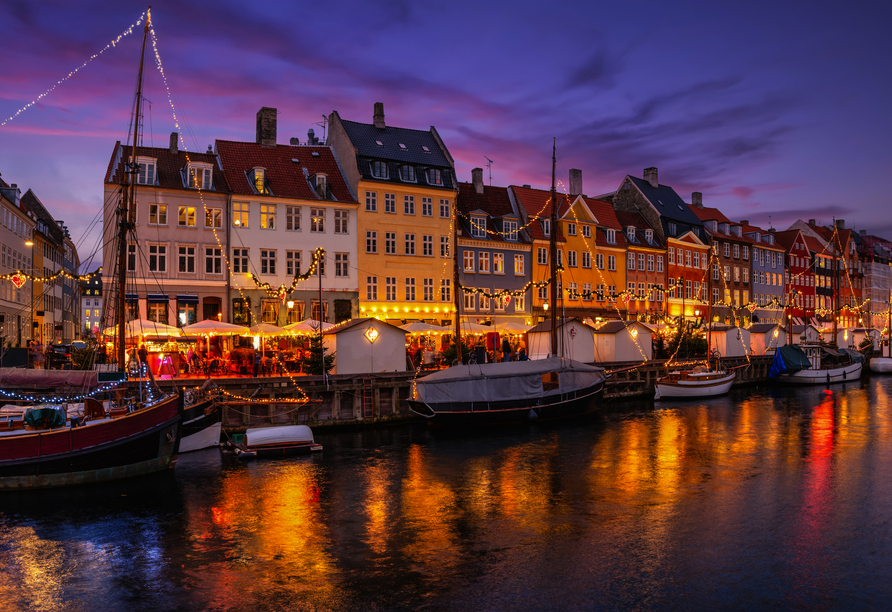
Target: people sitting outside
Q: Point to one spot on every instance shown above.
(522, 355)
(257, 360)
(506, 349)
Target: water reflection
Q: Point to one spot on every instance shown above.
(768, 497)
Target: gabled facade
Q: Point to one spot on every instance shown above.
(849, 274)
(91, 306)
(175, 266)
(287, 201)
(494, 253)
(16, 230)
(405, 182)
(767, 278)
(875, 254)
(48, 258)
(799, 281)
(646, 270)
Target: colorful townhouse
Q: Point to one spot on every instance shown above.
(849, 275)
(799, 281)
(48, 257)
(767, 274)
(406, 186)
(875, 254)
(494, 254)
(17, 229)
(645, 267)
(287, 202)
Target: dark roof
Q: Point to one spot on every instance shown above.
(169, 167)
(786, 238)
(32, 203)
(761, 328)
(365, 138)
(668, 203)
(635, 220)
(537, 204)
(288, 169)
(354, 322)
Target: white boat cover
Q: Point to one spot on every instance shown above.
(493, 382)
(286, 434)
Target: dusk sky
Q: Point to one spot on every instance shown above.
(770, 109)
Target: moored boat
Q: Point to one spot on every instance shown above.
(697, 382)
(815, 365)
(276, 441)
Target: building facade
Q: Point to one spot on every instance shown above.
(767, 275)
(16, 231)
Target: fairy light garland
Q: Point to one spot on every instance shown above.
(56, 400)
(282, 290)
(19, 274)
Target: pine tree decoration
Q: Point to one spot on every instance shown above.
(317, 357)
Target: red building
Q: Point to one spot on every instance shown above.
(799, 277)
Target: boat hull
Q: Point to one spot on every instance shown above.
(201, 426)
(848, 373)
(548, 408)
(139, 443)
(881, 365)
(680, 389)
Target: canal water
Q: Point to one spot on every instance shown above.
(768, 498)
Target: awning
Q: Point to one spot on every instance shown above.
(157, 297)
(131, 297)
(187, 299)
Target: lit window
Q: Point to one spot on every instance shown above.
(240, 214)
(258, 181)
(317, 220)
(187, 216)
(268, 216)
(213, 217)
(157, 214)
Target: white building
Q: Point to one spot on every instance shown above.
(366, 345)
(623, 341)
(730, 341)
(575, 340)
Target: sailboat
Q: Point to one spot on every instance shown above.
(42, 447)
(515, 391)
(883, 364)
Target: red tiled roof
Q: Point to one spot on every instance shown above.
(494, 200)
(284, 166)
(168, 168)
(708, 214)
(787, 238)
(537, 204)
(815, 245)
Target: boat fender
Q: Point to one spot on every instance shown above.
(828, 377)
(533, 415)
(843, 374)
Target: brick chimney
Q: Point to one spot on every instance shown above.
(266, 127)
(650, 175)
(840, 224)
(575, 181)
(696, 197)
(173, 143)
(477, 179)
(378, 118)
(812, 222)
(863, 232)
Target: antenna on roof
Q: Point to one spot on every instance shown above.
(489, 166)
(322, 124)
(769, 221)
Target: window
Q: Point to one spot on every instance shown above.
(543, 293)
(727, 273)
(498, 263)
(572, 294)
(611, 263)
(445, 290)
(611, 291)
(292, 263)
(390, 288)
(321, 184)
(673, 229)
(444, 209)
(478, 227)
(342, 265)
(468, 259)
(240, 214)
(269, 311)
(200, 178)
(427, 246)
(390, 243)
(726, 249)
(483, 262)
(470, 302)
(157, 214)
(611, 236)
(560, 259)
(267, 261)
(746, 275)
(587, 231)
(371, 288)
(187, 259)
(696, 259)
(520, 303)
(672, 255)
(571, 229)
(542, 256)
(407, 174)
(650, 263)
(213, 217)
(131, 257)
(146, 174)
(268, 216)
(321, 269)
(410, 289)
(410, 244)
(157, 312)
(518, 264)
(484, 303)
(641, 261)
(187, 216)
(427, 207)
(292, 218)
(736, 274)
(434, 177)
(571, 259)
(317, 220)
(428, 290)
(599, 261)
(371, 202)
(240, 261)
(258, 181)
(715, 272)
(546, 227)
(716, 293)
(687, 290)
(379, 169)
(371, 241)
(736, 251)
(390, 203)
(444, 246)
(341, 218)
(409, 205)
(746, 252)
(157, 258)
(687, 258)
(630, 263)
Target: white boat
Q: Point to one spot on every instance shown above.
(698, 382)
(276, 441)
(881, 365)
(815, 365)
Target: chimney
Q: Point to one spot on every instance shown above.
(378, 118)
(266, 127)
(575, 181)
(650, 175)
(696, 197)
(840, 224)
(744, 222)
(477, 179)
(173, 143)
(311, 137)
(863, 232)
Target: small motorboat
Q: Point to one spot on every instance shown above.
(697, 382)
(275, 441)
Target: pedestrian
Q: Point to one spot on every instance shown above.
(257, 359)
(38, 357)
(480, 351)
(506, 349)
(143, 354)
(47, 355)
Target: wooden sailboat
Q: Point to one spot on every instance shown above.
(40, 447)
(883, 363)
(514, 391)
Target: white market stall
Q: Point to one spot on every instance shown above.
(366, 345)
(730, 341)
(622, 341)
(766, 337)
(576, 340)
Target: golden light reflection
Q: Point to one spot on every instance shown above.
(378, 508)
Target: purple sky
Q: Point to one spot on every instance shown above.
(767, 108)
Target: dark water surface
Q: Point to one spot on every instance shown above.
(766, 499)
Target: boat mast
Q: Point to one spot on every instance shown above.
(552, 247)
(889, 323)
(127, 211)
(835, 284)
(455, 281)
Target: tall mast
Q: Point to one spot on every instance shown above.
(455, 281)
(552, 247)
(128, 204)
(835, 284)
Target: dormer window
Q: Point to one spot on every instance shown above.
(425, 149)
(673, 230)
(630, 233)
(726, 229)
(649, 236)
(757, 237)
(770, 239)
(713, 225)
(321, 185)
(407, 173)
(258, 181)
(434, 177)
(611, 236)
(546, 227)
(379, 169)
(147, 171)
(510, 230)
(200, 176)
(478, 226)
(736, 230)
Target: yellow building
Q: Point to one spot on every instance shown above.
(404, 180)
